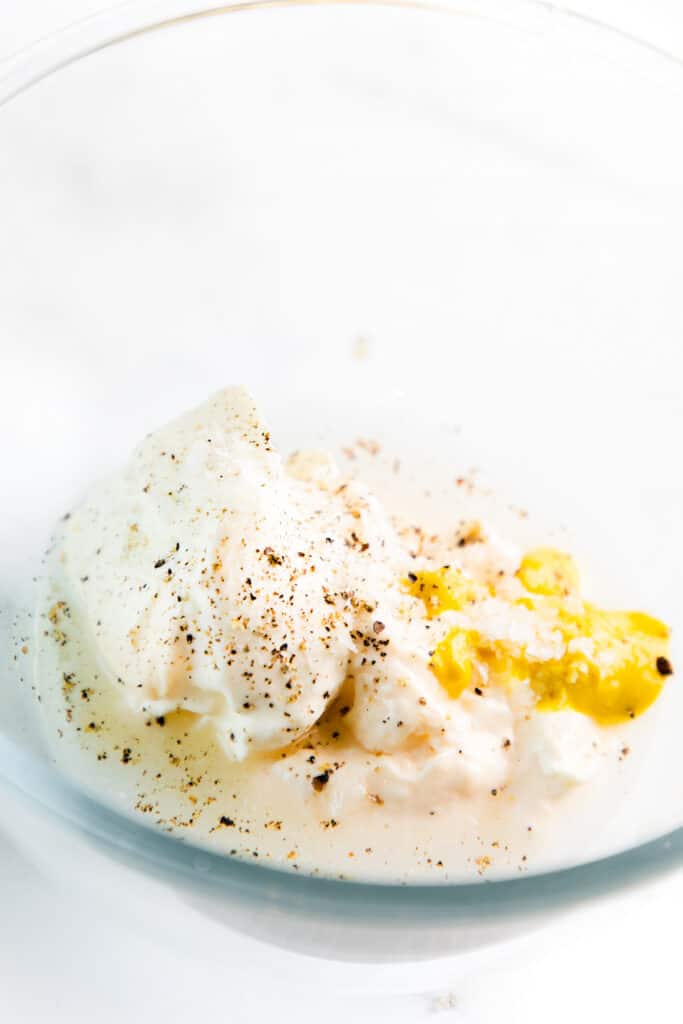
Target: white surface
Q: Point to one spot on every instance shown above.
(65, 959)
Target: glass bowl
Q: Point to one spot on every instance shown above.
(453, 226)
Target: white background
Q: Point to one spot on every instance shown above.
(62, 960)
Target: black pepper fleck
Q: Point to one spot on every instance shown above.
(320, 781)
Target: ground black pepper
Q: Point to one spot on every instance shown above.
(320, 781)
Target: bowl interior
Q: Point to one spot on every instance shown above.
(440, 230)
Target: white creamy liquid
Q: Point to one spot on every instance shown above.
(338, 780)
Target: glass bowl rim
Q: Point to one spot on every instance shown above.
(125, 21)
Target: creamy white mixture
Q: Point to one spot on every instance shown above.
(238, 659)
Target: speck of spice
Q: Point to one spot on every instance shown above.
(320, 781)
